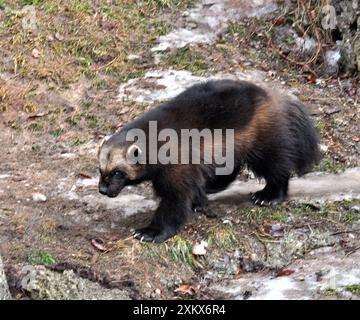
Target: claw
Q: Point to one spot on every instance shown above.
(256, 201)
(262, 203)
(142, 239)
(136, 235)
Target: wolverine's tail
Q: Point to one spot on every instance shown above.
(303, 136)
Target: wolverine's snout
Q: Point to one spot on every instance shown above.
(103, 189)
(110, 186)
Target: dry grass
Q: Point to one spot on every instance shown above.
(61, 76)
(75, 38)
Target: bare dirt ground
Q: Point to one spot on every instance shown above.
(64, 85)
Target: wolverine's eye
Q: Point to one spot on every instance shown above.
(117, 174)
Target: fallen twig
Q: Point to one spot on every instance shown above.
(304, 64)
(352, 251)
(347, 231)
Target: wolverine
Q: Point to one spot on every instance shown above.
(274, 137)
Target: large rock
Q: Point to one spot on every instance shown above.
(4, 289)
(43, 284)
(348, 18)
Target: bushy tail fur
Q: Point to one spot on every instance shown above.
(304, 136)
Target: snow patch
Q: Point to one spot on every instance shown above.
(182, 37)
(157, 86)
(162, 85)
(210, 19)
(92, 182)
(338, 272)
(276, 289)
(305, 44)
(315, 186)
(332, 57)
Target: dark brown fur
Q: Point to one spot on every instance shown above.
(274, 137)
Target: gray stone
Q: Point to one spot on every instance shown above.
(4, 289)
(43, 284)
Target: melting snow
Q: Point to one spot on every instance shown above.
(158, 86)
(162, 85)
(210, 18)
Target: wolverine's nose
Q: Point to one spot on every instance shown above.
(103, 189)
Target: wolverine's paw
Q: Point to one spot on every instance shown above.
(205, 211)
(150, 234)
(267, 198)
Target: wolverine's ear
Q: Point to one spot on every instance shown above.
(106, 138)
(134, 154)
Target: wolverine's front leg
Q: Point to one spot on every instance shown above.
(175, 190)
(200, 203)
(170, 216)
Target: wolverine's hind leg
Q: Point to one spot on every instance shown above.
(277, 181)
(273, 193)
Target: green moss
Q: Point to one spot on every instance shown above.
(56, 133)
(280, 216)
(256, 214)
(330, 292)
(160, 27)
(171, 3)
(223, 236)
(80, 6)
(329, 165)
(321, 125)
(187, 58)
(134, 74)
(32, 2)
(78, 142)
(353, 288)
(236, 29)
(349, 217)
(41, 258)
(290, 40)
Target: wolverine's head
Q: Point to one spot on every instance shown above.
(116, 165)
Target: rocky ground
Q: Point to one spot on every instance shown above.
(83, 70)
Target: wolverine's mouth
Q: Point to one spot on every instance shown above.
(110, 191)
(112, 195)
